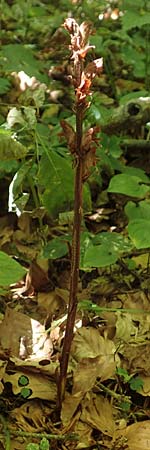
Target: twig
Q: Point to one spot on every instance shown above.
(66, 437)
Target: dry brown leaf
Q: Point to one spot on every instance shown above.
(88, 343)
(89, 369)
(23, 337)
(5, 236)
(84, 432)
(40, 386)
(96, 357)
(31, 416)
(69, 407)
(125, 328)
(97, 412)
(19, 443)
(3, 365)
(137, 436)
(48, 368)
(52, 302)
(145, 390)
(137, 357)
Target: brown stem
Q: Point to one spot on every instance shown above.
(75, 260)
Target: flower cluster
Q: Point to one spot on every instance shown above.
(82, 80)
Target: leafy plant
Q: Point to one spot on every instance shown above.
(135, 382)
(11, 271)
(43, 445)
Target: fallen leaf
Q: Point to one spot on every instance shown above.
(125, 328)
(97, 412)
(31, 416)
(69, 407)
(137, 436)
(3, 365)
(145, 389)
(39, 385)
(84, 432)
(95, 357)
(24, 337)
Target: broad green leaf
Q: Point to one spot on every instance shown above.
(139, 232)
(136, 383)
(123, 373)
(26, 117)
(15, 116)
(10, 148)
(140, 210)
(56, 199)
(8, 166)
(30, 117)
(85, 242)
(133, 19)
(20, 203)
(128, 185)
(113, 241)
(4, 85)
(10, 270)
(57, 177)
(56, 248)
(19, 57)
(34, 96)
(132, 95)
(99, 256)
(135, 59)
(103, 250)
(136, 172)
(19, 177)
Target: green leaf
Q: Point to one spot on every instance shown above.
(123, 373)
(136, 172)
(113, 241)
(25, 392)
(19, 57)
(132, 95)
(128, 185)
(99, 256)
(125, 406)
(140, 210)
(10, 270)
(56, 175)
(44, 444)
(103, 250)
(56, 248)
(26, 117)
(23, 381)
(4, 85)
(10, 148)
(32, 446)
(133, 19)
(15, 116)
(19, 177)
(139, 232)
(136, 383)
(8, 166)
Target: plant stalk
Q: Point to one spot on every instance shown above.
(75, 260)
